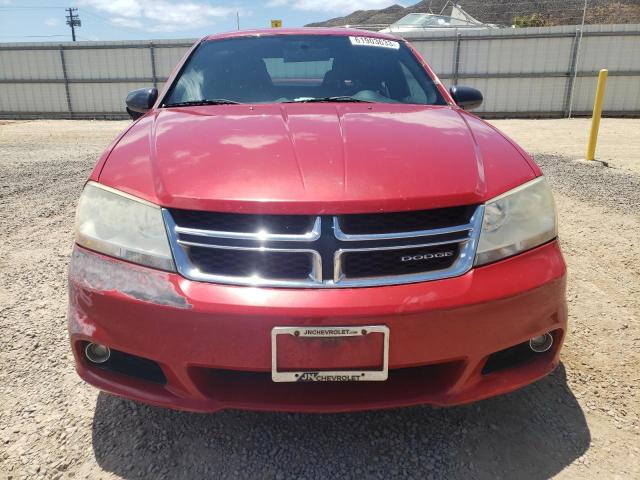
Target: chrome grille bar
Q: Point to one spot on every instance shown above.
(262, 236)
(340, 235)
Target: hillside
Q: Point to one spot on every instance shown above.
(504, 12)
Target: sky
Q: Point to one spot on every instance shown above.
(39, 20)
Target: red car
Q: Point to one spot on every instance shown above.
(307, 220)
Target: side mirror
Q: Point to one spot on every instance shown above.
(140, 101)
(467, 98)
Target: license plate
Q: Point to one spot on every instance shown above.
(334, 375)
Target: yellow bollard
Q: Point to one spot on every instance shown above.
(597, 112)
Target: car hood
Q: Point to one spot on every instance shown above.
(314, 158)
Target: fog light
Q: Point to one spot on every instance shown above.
(97, 353)
(542, 343)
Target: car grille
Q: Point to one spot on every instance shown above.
(405, 221)
(404, 261)
(243, 223)
(247, 263)
(325, 251)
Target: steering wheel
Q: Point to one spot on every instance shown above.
(373, 96)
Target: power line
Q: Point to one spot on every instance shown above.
(32, 36)
(31, 8)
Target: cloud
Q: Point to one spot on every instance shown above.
(52, 22)
(337, 6)
(160, 15)
(127, 22)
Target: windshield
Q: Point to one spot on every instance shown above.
(302, 68)
(412, 19)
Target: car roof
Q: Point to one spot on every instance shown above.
(268, 32)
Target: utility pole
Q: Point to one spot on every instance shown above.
(73, 20)
(238, 20)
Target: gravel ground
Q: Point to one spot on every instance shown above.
(583, 421)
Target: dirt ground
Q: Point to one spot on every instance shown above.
(618, 139)
(583, 421)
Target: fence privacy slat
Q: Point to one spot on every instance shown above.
(523, 72)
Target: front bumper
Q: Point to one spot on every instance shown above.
(213, 342)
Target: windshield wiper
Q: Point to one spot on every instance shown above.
(190, 103)
(343, 98)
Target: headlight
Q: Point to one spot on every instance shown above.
(122, 226)
(518, 220)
